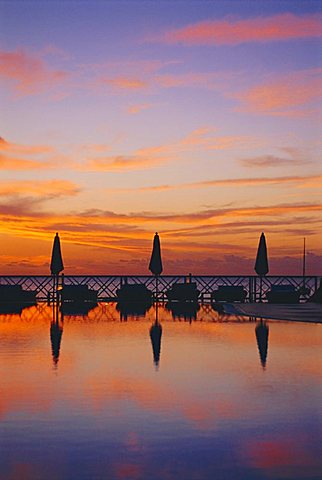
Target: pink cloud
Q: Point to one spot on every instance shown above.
(28, 74)
(284, 96)
(124, 83)
(284, 26)
(134, 109)
(281, 453)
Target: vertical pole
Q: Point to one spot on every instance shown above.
(304, 265)
(260, 288)
(304, 253)
(250, 289)
(156, 312)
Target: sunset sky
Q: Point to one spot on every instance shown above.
(200, 120)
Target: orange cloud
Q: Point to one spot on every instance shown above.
(205, 138)
(142, 158)
(119, 163)
(286, 96)
(28, 74)
(201, 139)
(15, 163)
(303, 181)
(284, 26)
(44, 188)
(124, 83)
(24, 149)
(134, 109)
(10, 161)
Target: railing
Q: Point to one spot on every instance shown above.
(107, 285)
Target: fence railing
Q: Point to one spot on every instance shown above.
(107, 285)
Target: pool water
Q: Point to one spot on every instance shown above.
(110, 395)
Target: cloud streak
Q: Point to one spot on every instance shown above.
(27, 73)
(16, 163)
(303, 181)
(286, 96)
(42, 188)
(203, 139)
(281, 27)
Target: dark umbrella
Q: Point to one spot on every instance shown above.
(155, 335)
(261, 264)
(56, 264)
(261, 332)
(56, 332)
(155, 265)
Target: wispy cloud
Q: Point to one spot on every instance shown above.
(118, 238)
(124, 83)
(302, 181)
(294, 158)
(10, 161)
(24, 149)
(134, 109)
(138, 161)
(289, 95)
(28, 73)
(200, 140)
(231, 31)
(16, 163)
(42, 188)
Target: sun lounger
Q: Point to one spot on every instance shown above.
(183, 292)
(16, 294)
(78, 293)
(229, 293)
(129, 293)
(283, 294)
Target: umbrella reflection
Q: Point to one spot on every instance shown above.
(155, 336)
(56, 333)
(261, 332)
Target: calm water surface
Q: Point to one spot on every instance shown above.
(105, 396)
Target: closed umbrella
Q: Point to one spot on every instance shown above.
(261, 264)
(155, 336)
(56, 264)
(155, 265)
(261, 332)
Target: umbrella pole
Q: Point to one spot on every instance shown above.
(53, 296)
(260, 288)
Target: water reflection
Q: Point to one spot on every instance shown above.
(77, 308)
(261, 332)
(56, 333)
(155, 336)
(183, 310)
(12, 307)
(210, 412)
(133, 309)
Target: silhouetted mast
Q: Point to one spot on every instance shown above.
(304, 255)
